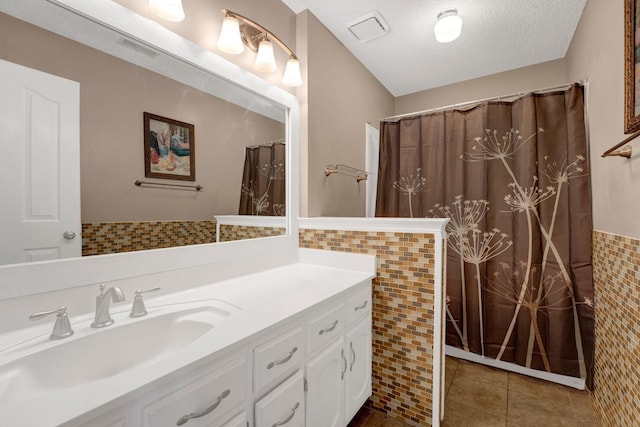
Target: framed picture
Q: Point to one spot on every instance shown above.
(169, 151)
(631, 66)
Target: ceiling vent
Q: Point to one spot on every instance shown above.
(368, 27)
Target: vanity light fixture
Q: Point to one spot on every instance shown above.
(169, 10)
(238, 31)
(448, 27)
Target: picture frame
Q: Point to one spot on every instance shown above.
(631, 66)
(169, 148)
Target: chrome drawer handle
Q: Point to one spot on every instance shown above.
(362, 306)
(281, 361)
(289, 418)
(323, 331)
(353, 353)
(182, 420)
(344, 359)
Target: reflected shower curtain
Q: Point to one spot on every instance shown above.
(513, 178)
(263, 180)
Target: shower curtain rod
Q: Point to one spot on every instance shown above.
(476, 101)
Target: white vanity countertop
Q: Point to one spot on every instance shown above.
(262, 299)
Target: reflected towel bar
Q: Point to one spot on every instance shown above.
(358, 174)
(625, 152)
(196, 187)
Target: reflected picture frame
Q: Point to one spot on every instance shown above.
(169, 148)
(631, 66)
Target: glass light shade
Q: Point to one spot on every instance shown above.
(448, 27)
(169, 10)
(265, 60)
(230, 40)
(292, 76)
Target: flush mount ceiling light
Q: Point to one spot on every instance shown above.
(448, 27)
(169, 10)
(238, 31)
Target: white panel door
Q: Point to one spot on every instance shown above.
(40, 173)
(358, 375)
(325, 392)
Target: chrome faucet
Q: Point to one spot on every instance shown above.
(103, 318)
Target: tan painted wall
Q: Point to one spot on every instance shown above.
(113, 96)
(340, 96)
(520, 80)
(597, 53)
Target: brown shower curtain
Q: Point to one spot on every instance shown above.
(513, 178)
(263, 180)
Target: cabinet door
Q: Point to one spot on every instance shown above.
(284, 405)
(325, 394)
(358, 375)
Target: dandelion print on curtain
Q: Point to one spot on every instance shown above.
(263, 180)
(513, 179)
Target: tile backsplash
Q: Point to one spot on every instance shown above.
(99, 238)
(229, 232)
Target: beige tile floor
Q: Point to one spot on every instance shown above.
(481, 396)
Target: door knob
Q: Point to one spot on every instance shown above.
(69, 235)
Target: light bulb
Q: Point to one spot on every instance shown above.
(265, 60)
(448, 27)
(230, 40)
(292, 76)
(169, 10)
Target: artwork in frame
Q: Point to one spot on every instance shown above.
(169, 150)
(632, 66)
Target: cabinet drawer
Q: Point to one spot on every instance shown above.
(284, 405)
(359, 306)
(239, 420)
(203, 400)
(325, 327)
(278, 356)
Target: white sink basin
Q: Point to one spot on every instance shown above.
(93, 355)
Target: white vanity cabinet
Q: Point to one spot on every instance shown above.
(305, 362)
(339, 375)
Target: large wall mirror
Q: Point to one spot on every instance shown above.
(229, 107)
(121, 76)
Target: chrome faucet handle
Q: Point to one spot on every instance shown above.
(137, 308)
(62, 327)
(103, 300)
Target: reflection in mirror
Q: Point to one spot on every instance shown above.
(116, 215)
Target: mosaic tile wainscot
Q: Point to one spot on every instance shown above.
(616, 394)
(403, 316)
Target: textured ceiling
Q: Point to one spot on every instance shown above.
(497, 35)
